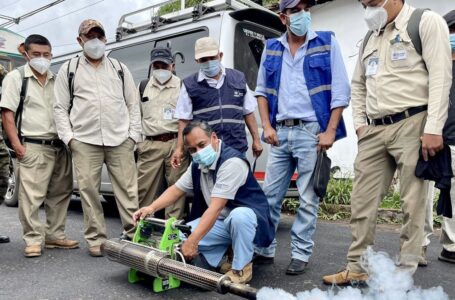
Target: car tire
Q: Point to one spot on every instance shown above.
(11, 195)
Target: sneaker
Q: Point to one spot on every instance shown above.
(61, 244)
(32, 250)
(423, 262)
(345, 277)
(243, 276)
(95, 251)
(448, 256)
(4, 239)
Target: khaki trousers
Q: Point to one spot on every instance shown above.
(155, 174)
(45, 176)
(119, 160)
(382, 150)
(448, 225)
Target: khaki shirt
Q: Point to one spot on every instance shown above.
(100, 114)
(37, 113)
(158, 111)
(391, 76)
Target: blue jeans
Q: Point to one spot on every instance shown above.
(238, 230)
(297, 149)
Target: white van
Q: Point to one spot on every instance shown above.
(240, 27)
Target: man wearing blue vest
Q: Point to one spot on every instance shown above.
(302, 90)
(229, 208)
(220, 97)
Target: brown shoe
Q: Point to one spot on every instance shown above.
(95, 251)
(225, 267)
(243, 276)
(345, 277)
(32, 250)
(61, 244)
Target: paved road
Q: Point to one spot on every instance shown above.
(73, 274)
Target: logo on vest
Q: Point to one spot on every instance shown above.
(238, 93)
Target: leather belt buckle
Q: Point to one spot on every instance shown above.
(288, 122)
(387, 120)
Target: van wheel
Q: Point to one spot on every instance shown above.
(11, 197)
(110, 199)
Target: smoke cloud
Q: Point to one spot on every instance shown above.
(386, 282)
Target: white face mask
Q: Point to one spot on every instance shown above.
(376, 17)
(40, 64)
(162, 76)
(94, 48)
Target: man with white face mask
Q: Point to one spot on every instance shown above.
(229, 207)
(160, 130)
(399, 102)
(44, 163)
(98, 117)
(302, 90)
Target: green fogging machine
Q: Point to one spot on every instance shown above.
(155, 252)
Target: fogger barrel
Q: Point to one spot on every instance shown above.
(158, 264)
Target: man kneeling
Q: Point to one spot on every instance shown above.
(229, 207)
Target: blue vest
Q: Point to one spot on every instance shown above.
(318, 75)
(249, 195)
(221, 108)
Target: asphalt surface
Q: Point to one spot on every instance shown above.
(73, 274)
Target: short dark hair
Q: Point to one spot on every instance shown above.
(197, 124)
(36, 39)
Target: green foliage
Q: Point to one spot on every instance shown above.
(339, 191)
(175, 6)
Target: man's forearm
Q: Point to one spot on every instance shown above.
(252, 125)
(264, 111)
(182, 125)
(170, 196)
(335, 117)
(10, 127)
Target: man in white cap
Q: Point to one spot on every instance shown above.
(220, 97)
(98, 116)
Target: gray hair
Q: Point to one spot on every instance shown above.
(197, 124)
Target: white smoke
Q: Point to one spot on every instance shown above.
(386, 282)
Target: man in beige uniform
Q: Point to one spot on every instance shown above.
(44, 163)
(160, 128)
(101, 124)
(403, 96)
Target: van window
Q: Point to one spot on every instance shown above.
(249, 43)
(137, 57)
(56, 66)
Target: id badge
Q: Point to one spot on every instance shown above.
(372, 66)
(399, 54)
(168, 113)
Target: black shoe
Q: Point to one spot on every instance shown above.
(124, 237)
(296, 267)
(262, 260)
(447, 256)
(4, 239)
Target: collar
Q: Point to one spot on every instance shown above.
(84, 60)
(29, 73)
(283, 39)
(402, 19)
(201, 76)
(174, 82)
(213, 165)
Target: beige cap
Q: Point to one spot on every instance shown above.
(205, 47)
(88, 25)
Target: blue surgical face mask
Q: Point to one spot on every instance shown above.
(205, 156)
(300, 23)
(211, 68)
(452, 41)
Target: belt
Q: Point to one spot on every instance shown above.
(290, 122)
(56, 142)
(162, 137)
(391, 119)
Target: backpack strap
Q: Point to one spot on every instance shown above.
(142, 87)
(20, 107)
(70, 73)
(366, 39)
(120, 72)
(413, 28)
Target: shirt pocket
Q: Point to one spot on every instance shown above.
(114, 89)
(319, 62)
(401, 55)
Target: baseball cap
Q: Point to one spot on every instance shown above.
(284, 4)
(450, 18)
(162, 54)
(205, 47)
(88, 25)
